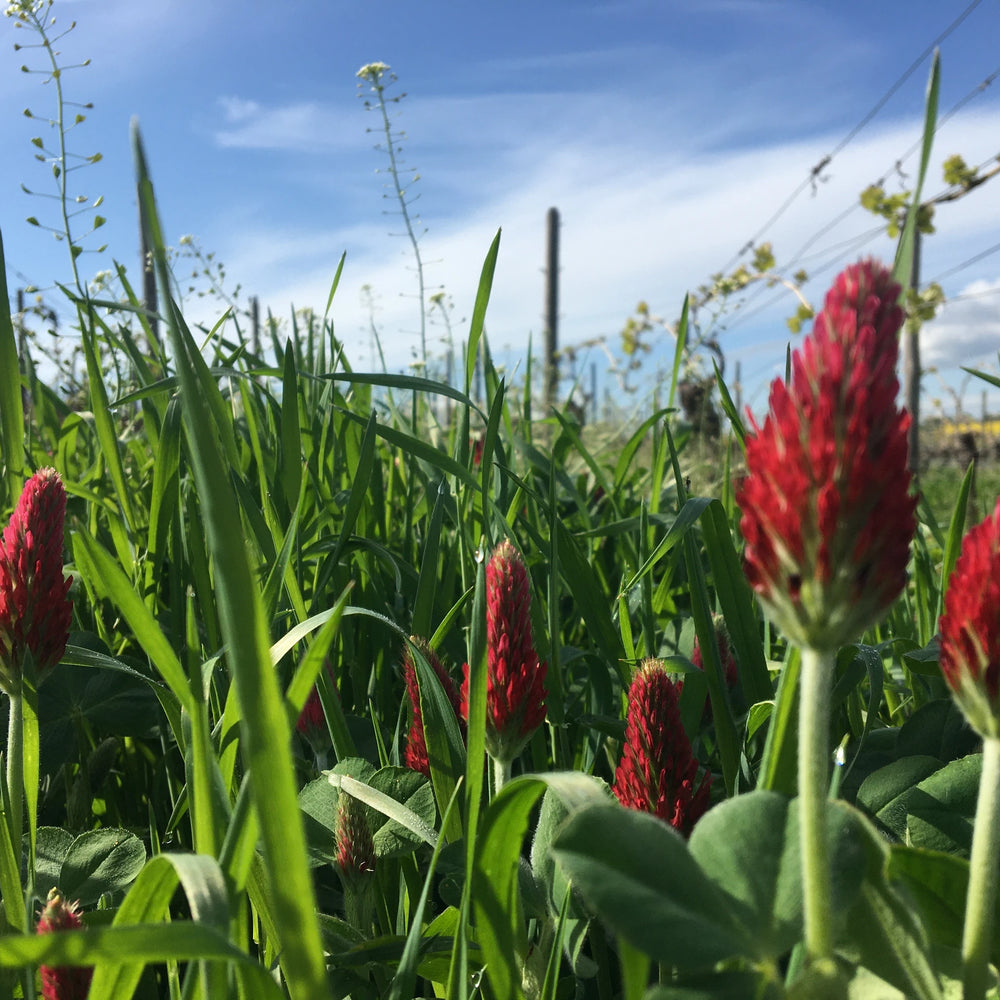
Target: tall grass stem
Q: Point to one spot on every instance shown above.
(984, 870)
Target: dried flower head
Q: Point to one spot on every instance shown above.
(970, 627)
(658, 773)
(515, 679)
(827, 513)
(62, 982)
(35, 610)
(416, 745)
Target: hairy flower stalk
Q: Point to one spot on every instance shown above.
(658, 772)
(415, 755)
(35, 612)
(828, 520)
(970, 662)
(355, 860)
(515, 679)
(62, 982)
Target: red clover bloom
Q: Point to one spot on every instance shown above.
(355, 847)
(515, 679)
(62, 982)
(416, 745)
(658, 772)
(970, 627)
(827, 514)
(35, 610)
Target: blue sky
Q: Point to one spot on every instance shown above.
(667, 132)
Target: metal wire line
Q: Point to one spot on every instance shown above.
(815, 172)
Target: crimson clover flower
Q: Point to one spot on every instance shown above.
(62, 982)
(311, 722)
(827, 513)
(515, 679)
(35, 610)
(355, 847)
(658, 773)
(416, 745)
(970, 627)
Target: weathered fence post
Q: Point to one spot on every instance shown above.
(552, 307)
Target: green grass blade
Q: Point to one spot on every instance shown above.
(736, 603)
(427, 582)
(779, 766)
(956, 531)
(291, 436)
(404, 982)
(679, 349)
(729, 408)
(103, 421)
(106, 578)
(11, 406)
(443, 738)
(479, 310)
(903, 266)
(265, 734)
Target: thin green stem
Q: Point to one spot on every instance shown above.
(400, 192)
(984, 870)
(56, 76)
(501, 774)
(15, 766)
(814, 776)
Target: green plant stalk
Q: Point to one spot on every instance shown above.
(15, 766)
(501, 774)
(390, 148)
(61, 129)
(814, 759)
(984, 870)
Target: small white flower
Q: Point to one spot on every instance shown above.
(372, 71)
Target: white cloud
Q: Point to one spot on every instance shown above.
(636, 224)
(966, 333)
(297, 127)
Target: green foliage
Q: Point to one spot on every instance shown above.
(243, 529)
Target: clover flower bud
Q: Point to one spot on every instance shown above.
(35, 611)
(515, 679)
(827, 513)
(658, 773)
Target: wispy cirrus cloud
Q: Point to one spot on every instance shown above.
(293, 127)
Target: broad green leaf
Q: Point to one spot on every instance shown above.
(942, 808)
(886, 793)
(100, 861)
(749, 846)
(639, 876)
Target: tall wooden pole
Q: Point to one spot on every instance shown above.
(255, 326)
(552, 307)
